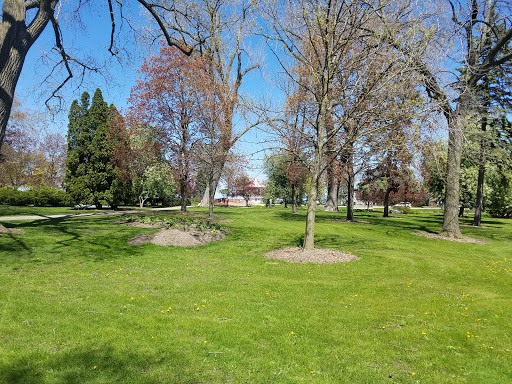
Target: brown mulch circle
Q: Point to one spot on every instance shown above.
(350, 221)
(463, 239)
(177, 238)
(219, 220)
(10, 230)
(314, 256)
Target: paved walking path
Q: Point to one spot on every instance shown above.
(65, 216)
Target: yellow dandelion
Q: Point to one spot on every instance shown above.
(94, 367)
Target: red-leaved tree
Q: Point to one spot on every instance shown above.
(166, 99)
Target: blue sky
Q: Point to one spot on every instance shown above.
(89, 37)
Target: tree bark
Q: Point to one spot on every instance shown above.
(294, 199)
(309, 234)
(350, 195)
(331, 205)
(183, 193)
(211, 198)
(456, 125)
(482, 160)
(477, 221)
(15, 41)
(386, 202)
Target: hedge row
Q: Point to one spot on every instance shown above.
(39, 197)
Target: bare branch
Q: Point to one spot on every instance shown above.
(113, 29)
(150, 8)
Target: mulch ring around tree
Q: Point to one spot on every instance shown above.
(189, 233)
(10, 230)
(177, 238)
(314, 256)
(463, 239)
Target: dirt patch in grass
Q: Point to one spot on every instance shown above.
(10, 230)
(141, 238)
(314, 256)
(463, 239)
(350, 221)
(178, 237)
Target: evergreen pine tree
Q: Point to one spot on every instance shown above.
(90, 174)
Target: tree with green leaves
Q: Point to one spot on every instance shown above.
(90, 173)
(155, 183)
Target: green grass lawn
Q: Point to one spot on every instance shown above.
(80, 305)
(9, 210)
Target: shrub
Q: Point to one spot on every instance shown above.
(401, 209)
(40, 197)
(46, 196)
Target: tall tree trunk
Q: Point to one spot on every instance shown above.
(309, 233)
(183, 193)
(211, 198)
(331, 205)
(294, 199)
(456, 125)
(350, 195)
(477, 221)
(15, 41)
(349, 166)
(386, 202)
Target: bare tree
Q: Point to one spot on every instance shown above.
(219, 30)
(473, 23)
(315, 36)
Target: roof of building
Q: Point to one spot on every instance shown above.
(255, 184)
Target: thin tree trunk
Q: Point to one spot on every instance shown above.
(386, 202)
(211, 198)
(477, 221)
(331, 205)
(183, 193)
(294, 199)
(461, 211)
(350, 196)
(309, 234)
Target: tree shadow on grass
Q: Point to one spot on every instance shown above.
(90, 238)
(81, 365)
